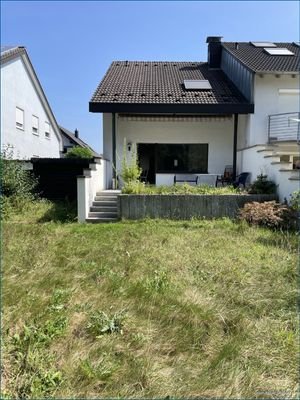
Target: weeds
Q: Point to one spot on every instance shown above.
(211, 309)
(101, 323)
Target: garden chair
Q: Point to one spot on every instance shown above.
(227, 177)
(144, 175)
(241, 179)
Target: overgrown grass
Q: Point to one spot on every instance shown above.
(148, 309)
(136, 187)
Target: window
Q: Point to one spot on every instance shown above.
(187, 158)
(19, 118)
(279, 52)
(35, 125)
(197, 84)
(263, 44)
(47, 130)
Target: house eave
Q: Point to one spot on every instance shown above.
(216, 109)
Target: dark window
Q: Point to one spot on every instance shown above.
(182, 158)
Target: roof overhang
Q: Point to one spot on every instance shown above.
(221, 109)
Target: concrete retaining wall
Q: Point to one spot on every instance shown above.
(184, 206)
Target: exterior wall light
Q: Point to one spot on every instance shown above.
(129, 144)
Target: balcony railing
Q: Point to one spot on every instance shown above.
(284, 127)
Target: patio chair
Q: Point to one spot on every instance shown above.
(226, 177)
(144, 175)
(241, 179)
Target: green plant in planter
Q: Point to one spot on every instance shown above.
(79, 152)
(263, 186)
(295, 201)
(131, 171)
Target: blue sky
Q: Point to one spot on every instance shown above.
(72, 43)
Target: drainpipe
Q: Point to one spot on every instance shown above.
(236, 116)
(114, 172)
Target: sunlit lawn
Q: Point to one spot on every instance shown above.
(148, 309)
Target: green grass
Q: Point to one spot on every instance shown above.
(148, 309)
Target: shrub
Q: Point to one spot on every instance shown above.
(131, 171)
(295, 201)
(262, 185)
(15, 180)
(268, 213)
(79, 152)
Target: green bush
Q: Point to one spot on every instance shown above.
(15, 180)
(295, 201)
(131, 171)
(79, 152)
(262, 186)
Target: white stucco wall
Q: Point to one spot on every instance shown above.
(88, 185)
(18, 90)
(268, 101)
(217, 133)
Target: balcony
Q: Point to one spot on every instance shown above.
(284, 127)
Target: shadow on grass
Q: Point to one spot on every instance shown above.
(60, 211)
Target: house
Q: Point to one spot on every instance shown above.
(239, 108)
(71, 140)
(28, 125)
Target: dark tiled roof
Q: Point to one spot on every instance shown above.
(256, 59)
(161, 83)
(10, 52)
(77, 141)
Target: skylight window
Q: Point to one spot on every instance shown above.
(263, 44)
(197, 84)
(279, 51)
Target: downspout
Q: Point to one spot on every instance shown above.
(114, 166)
(236, 116)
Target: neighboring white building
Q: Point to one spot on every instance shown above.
(240, 108)
(27, 121)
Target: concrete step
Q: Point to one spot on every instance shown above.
(104, 208)
(266, 151)
(103, 214)
(293, 171)
(101, 220)
(100, 203)
(107, 199)
(275, 157)
(283, 163)
(108, 193)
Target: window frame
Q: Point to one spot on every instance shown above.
(20, 127)
(47, 133)
(38, 125)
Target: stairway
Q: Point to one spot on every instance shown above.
(280, 157)
(104, 207)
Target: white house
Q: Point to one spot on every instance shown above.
(27, 121)
(239, 108)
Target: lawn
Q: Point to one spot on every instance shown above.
(153, 308)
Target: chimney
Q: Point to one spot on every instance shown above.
(76, 133)
(214, 51)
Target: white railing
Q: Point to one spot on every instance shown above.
(284, 127)
(93, 180)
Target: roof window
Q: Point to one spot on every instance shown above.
(197, 84)
(263, 44)
(279, 51)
